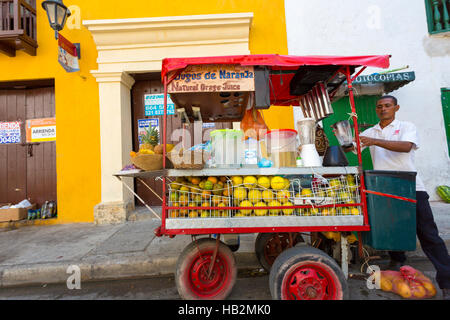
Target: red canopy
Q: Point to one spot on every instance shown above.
(277, 62)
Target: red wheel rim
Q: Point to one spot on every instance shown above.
(311, 281)
(200, 284)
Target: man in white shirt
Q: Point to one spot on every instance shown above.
(392, 145)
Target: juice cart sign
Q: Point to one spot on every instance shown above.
(214, 78)
(9, 132)
(39, 130)
(154, 105)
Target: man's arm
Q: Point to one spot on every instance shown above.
(397, 146)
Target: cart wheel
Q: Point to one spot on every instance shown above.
(307, 273)
(191, 275)
(268, 246)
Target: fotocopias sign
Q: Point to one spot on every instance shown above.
(39, 130)
(214, 78)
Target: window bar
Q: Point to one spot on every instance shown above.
(437, 16)
(446, 15)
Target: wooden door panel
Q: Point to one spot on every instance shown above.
(27, 172)
(13, 156)
(41, 163)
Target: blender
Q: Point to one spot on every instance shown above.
(307, 134)
(343, 133)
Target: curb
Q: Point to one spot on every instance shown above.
(119, 269)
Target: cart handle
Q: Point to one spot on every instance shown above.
(389, 196)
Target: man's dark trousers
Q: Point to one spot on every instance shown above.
(430, 241)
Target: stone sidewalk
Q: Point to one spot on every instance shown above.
(36, 255)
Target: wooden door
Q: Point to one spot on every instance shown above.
(27, 171)
(140, 89)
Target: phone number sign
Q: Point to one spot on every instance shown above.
(9, 132)
(154, 105)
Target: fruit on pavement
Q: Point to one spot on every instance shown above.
(246, 203)
(260, 212)
(277, 183)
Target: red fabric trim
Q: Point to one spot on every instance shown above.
(275, 61)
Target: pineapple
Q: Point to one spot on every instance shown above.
(150, 139)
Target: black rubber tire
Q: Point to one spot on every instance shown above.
(191, 254)
(291, 259)
(260, 245)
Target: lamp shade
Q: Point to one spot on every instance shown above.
(57, 13)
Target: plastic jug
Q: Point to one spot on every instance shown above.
(282, 147)
(227, 148)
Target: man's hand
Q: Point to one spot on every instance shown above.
(397, 146)
(367, 142)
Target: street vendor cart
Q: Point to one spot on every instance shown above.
(279, 201)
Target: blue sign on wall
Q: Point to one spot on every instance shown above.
(154, 105)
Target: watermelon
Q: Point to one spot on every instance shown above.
(444, 193)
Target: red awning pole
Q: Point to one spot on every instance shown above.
(358, 146)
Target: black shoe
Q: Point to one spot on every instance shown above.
(446, 294)
(393, 266)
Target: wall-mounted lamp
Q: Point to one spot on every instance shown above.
(57, 14)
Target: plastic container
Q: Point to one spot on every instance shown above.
(227, 148)
(282, 147)
(251, 153)
(392, 221)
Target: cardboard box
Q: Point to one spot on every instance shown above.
(14, 214)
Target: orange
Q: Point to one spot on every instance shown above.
(195, 180)
(212, 179)
(431, 290)
(173, 214)
(193, 214)
(208, 185)
(206, 194)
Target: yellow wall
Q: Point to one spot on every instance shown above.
(76, 94)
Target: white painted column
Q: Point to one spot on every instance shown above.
(116, 144)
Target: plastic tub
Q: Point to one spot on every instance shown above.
(227, 148)
(282, 147)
